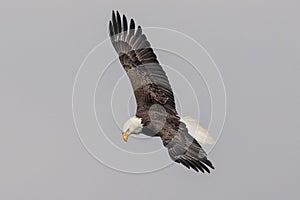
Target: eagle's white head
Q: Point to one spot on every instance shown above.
(132, 126)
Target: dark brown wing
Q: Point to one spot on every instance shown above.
(184, 149)
(148, 79)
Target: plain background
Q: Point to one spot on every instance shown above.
(255, 44)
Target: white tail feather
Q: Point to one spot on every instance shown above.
(197, 131)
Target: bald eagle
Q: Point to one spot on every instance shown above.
(156, 114)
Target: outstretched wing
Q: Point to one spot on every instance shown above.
(148, 79)
(184, 149)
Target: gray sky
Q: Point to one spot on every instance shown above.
(255, 45)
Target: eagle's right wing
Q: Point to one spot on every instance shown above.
(148, 79)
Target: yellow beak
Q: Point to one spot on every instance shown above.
(125, 136)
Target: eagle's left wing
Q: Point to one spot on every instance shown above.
(183, 148)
